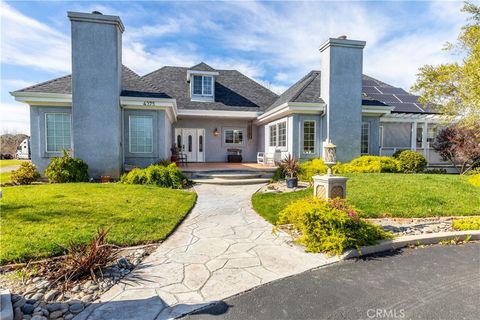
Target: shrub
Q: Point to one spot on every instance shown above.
(67, 169)
(397, 153)
(278, 175)
(26, 174)
(370, 164)
(474, 179)
(330, 226)
(163, 162)
(164, 176)
(467, 224)
(412, 162)
(310, 168)
(85, 260)
(290, 166)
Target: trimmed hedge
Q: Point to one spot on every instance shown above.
(369, 164)
(412, 162)
(330, 227)
(164, 176)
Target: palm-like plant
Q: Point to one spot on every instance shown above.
(290, 166)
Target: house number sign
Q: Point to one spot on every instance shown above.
(149, 103)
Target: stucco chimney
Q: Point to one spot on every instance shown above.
(341, 89)
(96, 87)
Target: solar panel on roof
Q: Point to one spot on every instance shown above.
(392, 90)
(368, 90)
(386, 98)
(369, 83)
(409, 98)
(405, 107)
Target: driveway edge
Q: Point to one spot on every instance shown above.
(404, 241)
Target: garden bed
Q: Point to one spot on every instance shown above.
(391, 195)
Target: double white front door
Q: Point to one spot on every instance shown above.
(192, 143)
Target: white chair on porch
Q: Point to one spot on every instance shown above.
(272, 156)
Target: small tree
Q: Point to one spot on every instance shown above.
(460, 146)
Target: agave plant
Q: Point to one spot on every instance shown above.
(290, 166)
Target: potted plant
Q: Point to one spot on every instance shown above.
(290, 167)
(174, 149)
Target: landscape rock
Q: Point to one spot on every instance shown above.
(55, 314)
(51, 295)
(17, 313)
(39, 318)
(19, 303)
(124, 263)
(76, 308)
(28, 308)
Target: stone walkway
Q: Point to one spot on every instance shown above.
(221, 249)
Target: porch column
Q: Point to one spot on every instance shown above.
(424, 140)
(413, 142)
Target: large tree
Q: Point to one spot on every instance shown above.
(454, 88)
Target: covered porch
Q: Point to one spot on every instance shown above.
(416, 132)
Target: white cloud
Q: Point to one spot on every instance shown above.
(28, 42)
(15, 118)
(281, 76)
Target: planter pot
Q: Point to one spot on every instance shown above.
(105, 179)
(174, 158)
(292, 183)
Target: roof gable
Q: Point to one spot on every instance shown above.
(202, 66)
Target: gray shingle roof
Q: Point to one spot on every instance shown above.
(374, 93)
(132, 85)
(233, 90)
(202, 66)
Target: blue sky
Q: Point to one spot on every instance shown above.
(274, 43)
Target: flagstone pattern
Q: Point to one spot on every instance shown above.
(221, 249)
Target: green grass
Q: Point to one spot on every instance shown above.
(6, 163)
(5, 177)
(37, 220)
(392, 194)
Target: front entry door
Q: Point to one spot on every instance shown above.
(192, 143)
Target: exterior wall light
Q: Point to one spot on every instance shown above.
(216, 133)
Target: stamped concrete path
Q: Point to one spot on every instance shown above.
(221, 249)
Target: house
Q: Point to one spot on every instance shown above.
(111, 117)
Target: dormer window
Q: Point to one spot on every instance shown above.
(202, 83)
(202, 86)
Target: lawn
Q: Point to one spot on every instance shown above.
(38, 220)
(5, 177)
(12, 162)
(392, 194)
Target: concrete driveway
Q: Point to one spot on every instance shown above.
(221, 249)
(438, 282)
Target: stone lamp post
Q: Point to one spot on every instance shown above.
(329, 186)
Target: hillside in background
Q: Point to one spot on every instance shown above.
(10, 142)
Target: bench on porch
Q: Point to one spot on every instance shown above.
(234, 155)
(273, 156)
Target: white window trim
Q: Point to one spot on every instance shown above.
(130, 132)
(224, 136)
(368, 137)
(314, 136)
(276, 124)
(202, 96)
(46, 132)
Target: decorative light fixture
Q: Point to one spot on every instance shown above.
(330, 156)
(216, 132)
